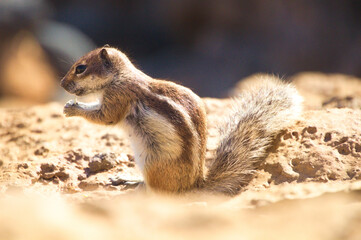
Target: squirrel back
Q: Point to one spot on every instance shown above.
(259, 114)
(166, 123)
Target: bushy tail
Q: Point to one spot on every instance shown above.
(259, 115)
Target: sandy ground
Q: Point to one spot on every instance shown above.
(62, 178)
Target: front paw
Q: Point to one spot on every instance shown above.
(71, 109)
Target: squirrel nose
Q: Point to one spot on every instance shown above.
(63, 83)
(67, 85)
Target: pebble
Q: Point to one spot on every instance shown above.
(88, 185)
(102, 162)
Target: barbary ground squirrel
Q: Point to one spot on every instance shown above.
(166, 123)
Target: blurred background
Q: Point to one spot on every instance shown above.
(207, 45)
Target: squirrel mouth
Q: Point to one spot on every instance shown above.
(79, 92)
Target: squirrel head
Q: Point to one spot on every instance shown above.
(95, 71)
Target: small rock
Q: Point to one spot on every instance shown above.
(109, 136)
(343, 140)
(295, 161)
(307, 143)
(322, 179)
(62, 175)
(131, 165)
(1, 163)
(351, 173)
(23, 165)
(75, 155)
(81, 177)
(47, 167)
(88, 185)
(38, 131)
(47, 171)
(55, 115)
(328, 137)
(70, 188)
(287, 136)
(130, 157)
(295, 134)
(41, 151)
(20, 125)
(102, 162)
(311, 129)
(344, 149)
(306, 169)
(125, 179)
(333, 176)
(30, 173)
(357, 149)
(48, 175)
(358, 175)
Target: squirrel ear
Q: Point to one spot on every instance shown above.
(106, 45)
(105, 57)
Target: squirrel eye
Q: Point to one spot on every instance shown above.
(80, 69)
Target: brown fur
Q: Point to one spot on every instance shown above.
(182, 175)
(177, 165)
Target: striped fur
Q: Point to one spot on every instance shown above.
(166, 123)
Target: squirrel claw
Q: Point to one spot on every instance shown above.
(70, 108)
(70, 103)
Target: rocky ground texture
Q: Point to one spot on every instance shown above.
(66, 178)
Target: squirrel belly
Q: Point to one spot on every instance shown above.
(166, 142)
(167, 125)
